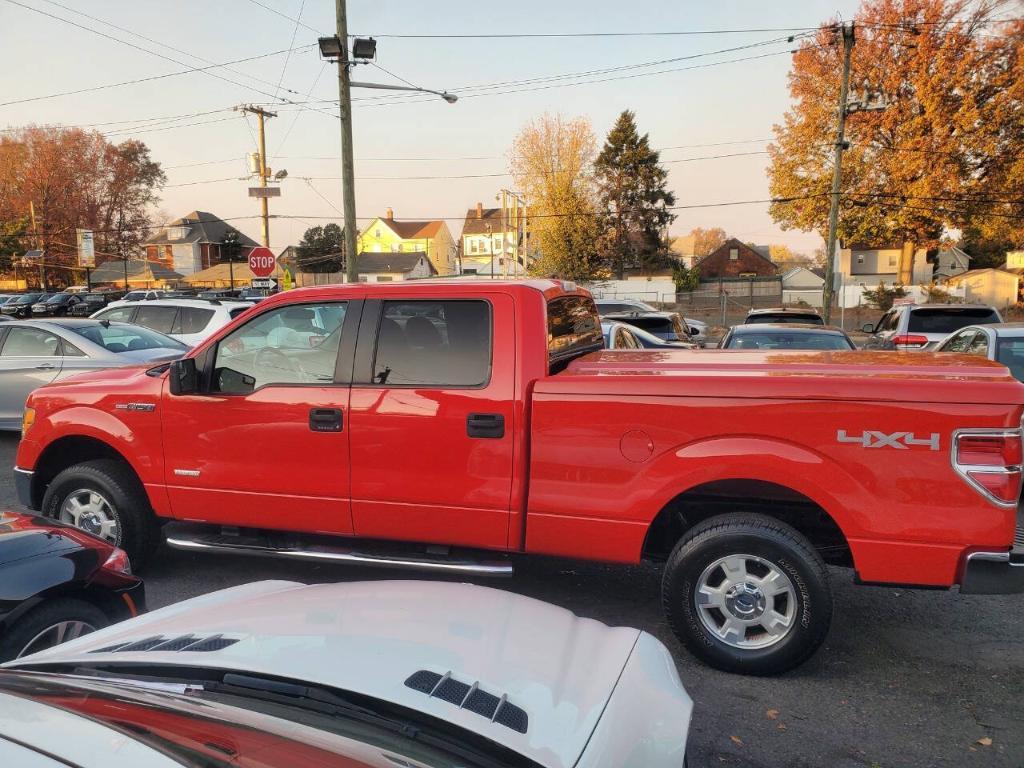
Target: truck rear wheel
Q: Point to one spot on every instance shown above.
(105, 498)
(747, 593)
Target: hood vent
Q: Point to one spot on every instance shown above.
(470, 697)
(162, 643)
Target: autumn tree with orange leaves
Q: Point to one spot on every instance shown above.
(939, 157)
(78, 179)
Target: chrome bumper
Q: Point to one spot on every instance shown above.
(23, 485)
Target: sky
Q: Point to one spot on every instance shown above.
(697, 103)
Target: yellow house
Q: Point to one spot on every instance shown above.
(433, 238)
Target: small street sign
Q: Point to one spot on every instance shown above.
(264, 283)
(262, 261)
(264, 191)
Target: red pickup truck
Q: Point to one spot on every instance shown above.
(435, 424)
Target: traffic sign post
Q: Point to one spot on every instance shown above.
(262, 262)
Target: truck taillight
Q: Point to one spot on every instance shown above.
(909, 341)
(990, 461)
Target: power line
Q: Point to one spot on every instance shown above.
(298, 22)
(165, 45)
(108, 86)
(134, 131)
(205, 70)
(295, 31)
(520, 35)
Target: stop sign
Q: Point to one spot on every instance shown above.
(262, 262)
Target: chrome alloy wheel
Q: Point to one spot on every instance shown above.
(56, 634)
(89, 510)
(746, 601)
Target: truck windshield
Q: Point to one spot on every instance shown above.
(574, 329)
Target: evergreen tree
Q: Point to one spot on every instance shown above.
(322, 249)
(231, 251)
(633, 199)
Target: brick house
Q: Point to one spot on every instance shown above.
(192, 243)
(735, 259)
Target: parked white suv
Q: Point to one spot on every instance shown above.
(190, 321)
(131, 296)
(922, 327)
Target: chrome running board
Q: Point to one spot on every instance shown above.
(290, 546)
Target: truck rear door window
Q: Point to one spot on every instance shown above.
(574, 328)
(433, 344)
(949, 319)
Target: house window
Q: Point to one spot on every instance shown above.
(396, 247)
(734, 254)
(469, 271)
(892, 261)
(364, 278)
(376, 233)
(385, 278)
(860, 258)
(748, 274)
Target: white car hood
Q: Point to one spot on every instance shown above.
(370, 637)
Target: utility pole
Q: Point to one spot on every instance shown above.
(348, 172)
(35, 238)
(261, 114)
(833, 212)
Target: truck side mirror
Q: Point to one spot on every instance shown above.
(184, 377)
(868, 328)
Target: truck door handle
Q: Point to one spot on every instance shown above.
(325, 419)
(485, 425)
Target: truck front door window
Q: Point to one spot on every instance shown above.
(290, 345)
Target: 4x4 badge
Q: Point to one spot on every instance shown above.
(901, 440)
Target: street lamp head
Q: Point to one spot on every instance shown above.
(330, 47)
(364, 48)
(451, 98)
(281, 174)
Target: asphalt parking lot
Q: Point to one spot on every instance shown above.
(907, 678)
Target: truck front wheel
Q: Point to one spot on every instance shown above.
(105, 498)
(747, 593)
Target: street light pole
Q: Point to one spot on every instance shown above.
(348, 173)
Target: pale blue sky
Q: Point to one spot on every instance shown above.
(726, 103)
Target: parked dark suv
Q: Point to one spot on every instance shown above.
(21, 306)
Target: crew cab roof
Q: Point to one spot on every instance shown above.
(549, 288)
(855, 375)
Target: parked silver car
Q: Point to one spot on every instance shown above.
(698, 330)
(37, 352)
(374, 674)
(786, 336)
(1002, 342)
(921, 327)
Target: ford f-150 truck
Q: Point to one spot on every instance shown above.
(443, 425)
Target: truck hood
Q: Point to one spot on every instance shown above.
(371, 637)
(791, 374)
(122, 379)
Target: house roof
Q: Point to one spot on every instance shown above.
(372, 262)
(732, 242)
(477, 225)
(413, 230)
(203, 228)
(957, 279)
(138, 269)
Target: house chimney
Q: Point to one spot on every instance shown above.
(389, 214)
(479, 210)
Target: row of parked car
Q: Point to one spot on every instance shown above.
(963, 328)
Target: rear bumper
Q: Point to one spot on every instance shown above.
(23, 485)
(993, 573)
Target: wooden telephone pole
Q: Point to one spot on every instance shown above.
(261, 114)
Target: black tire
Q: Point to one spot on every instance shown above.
(45, 615)
(138, 532)
(768, 542)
